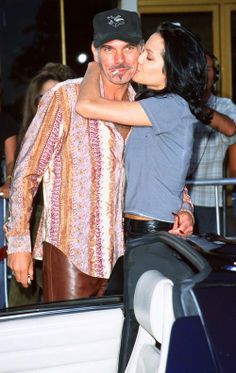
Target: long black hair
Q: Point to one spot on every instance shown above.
(185, 68)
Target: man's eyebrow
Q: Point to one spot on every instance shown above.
(126, 45)
(106, 46)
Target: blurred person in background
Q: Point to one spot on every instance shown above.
(8, 138)
(232, 172)
(210, 145)
(50, 74)
(47, 78)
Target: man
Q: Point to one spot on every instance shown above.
(81, 164)
(210, 146)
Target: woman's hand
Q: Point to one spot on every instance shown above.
(93, 66)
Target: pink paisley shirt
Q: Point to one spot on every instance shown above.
(81, 164)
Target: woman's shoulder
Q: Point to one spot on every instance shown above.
(171, 98)
(174, 102)
(178, 100)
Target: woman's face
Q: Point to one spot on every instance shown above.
(45, 87)
(48, 85)
(150, 71)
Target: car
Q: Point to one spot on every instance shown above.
(174, 312)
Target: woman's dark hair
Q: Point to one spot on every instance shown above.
(51, 71)
(185, 67)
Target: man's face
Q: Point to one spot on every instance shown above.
(210, 73)
(118, 60)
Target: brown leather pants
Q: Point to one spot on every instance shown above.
(63, 280)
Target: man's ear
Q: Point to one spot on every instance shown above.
(95, 53)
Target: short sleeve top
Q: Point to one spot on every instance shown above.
(157, 158)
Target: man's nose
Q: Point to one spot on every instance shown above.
(119, 57)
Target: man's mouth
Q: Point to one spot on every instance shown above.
(120, 70)
(115, 72)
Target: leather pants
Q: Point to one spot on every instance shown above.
(62, 280)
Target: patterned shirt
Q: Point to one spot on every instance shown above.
(208, 155)
(81, 164)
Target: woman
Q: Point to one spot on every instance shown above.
(173, 68)
(8, 133)
(51, 74)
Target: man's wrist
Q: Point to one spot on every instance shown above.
(8, 179)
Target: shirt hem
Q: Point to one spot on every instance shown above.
(147, 216)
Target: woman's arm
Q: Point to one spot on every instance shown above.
(10, 150)
(91, 105)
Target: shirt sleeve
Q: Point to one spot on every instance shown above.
(161, 110)
(36, 152)
(227, 107)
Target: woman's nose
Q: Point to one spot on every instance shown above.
(119, 57)
(141, 57)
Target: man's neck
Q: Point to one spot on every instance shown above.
(119, 93)
(114, 91)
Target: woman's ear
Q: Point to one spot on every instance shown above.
(95, 53)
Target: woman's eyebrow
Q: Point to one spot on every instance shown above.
(149, 50)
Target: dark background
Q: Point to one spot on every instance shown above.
(30, 36)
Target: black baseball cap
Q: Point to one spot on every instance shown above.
(116, 24)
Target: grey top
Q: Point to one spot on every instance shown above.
(157, 158)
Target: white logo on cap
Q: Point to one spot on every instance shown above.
(115, 21)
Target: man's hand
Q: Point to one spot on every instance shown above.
(21, 265)
(183, 224)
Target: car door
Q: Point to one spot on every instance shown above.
(73, 336)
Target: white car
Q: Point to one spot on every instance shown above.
(177, 315)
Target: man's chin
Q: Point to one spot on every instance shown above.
(122, 78)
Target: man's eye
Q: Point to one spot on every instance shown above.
(130, 48)
(106, 49)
